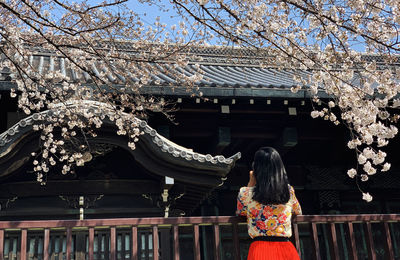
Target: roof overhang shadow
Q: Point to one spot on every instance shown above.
(153, 152)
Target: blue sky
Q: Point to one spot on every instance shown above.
(169, 18)
(149, 14)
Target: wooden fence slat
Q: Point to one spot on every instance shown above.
(69, 243)
(146, 245)
(113, 236)
(317, 254)
(8, 248)
(236, 246)
(46, 243)
(335, 249)
(62, 254)
(24, 237)
(296, 237)
(106, 245)
(52, 247)
(155, 243)
(196, 242)
(217, 243)
(125, 241)
(37, 243)
(60, 247)
(122, 252)
(99, 251)
(388, 244)
(370, 242)
(352, 240)
(134, 244)
(1, 244)
(91, 243)
(176, 242)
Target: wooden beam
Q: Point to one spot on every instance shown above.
(144, 212)
(73, 187)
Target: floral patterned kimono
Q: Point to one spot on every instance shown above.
(268, 220)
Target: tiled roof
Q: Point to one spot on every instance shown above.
(217, 72)
(226, 72)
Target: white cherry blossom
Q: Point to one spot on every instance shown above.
(319, 36)
(352, 173)
(367, 197)
(316, 38)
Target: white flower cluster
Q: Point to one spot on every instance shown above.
(314, 40)
(110, 50)
(73, 147)
(367, 197)
(318, 37)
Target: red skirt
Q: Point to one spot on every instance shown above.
(266, 250)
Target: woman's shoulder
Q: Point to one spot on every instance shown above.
(245, 191)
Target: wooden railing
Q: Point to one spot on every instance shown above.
(355, 237)
(315, 237)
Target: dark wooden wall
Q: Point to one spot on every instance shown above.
(313, 150)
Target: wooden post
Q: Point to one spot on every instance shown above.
(196, 241)
(317, 254)
(352, 241)
(217, 243)
(91, 243)
(370, 242)
(24, 234)
(134, 253)
(335, 249)
(388, 244)
(296, 237)
(1, 244)
(155, 243)
(176, 242)
(69, 243)
(113, 251)
(46, 244)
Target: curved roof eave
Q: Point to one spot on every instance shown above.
(153, 151)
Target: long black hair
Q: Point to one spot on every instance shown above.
(272, 185)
